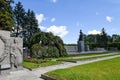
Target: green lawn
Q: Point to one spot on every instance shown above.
(31, 65)
(102, 70)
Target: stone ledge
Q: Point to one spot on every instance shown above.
(68, 61)
(46, 77)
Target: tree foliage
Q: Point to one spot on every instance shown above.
(102, 40)
(6, 16)
(39, 51)
(31, 27)
(54, 44)
(19, 19)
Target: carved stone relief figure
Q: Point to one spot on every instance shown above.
(16, 54)
(4, 47)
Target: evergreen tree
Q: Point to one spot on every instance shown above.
(6, 16)
(104, 38)
(31, 27)
(19, 17)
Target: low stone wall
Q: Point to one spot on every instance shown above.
(71, 48)
(99, 49)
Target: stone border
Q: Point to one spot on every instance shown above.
(46, 77)
(68, 61)
(28, 68)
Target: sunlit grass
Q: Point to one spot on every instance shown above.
(102, 70)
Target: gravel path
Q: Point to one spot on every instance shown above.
(36, 73)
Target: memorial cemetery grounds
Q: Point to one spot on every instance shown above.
(45, 49)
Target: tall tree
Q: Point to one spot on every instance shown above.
(31, 27)
(104, 38)
(19, 17)
(6, 16)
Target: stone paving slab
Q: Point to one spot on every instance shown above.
(20, 75)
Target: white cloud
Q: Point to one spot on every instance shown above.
(53, 20)
(40, 18)
(54, 1)
(94, 32)
(109, 19)
(43, 28)
(58, 30)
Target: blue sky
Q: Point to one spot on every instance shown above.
(65, 18)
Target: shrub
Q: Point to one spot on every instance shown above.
(53, 52)
(35, 60)
(114, 45)
(38, 51)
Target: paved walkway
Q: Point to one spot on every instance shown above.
(36, 73)
(98, 55)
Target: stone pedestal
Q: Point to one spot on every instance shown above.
(81, 47)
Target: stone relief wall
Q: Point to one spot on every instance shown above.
(4, 49)
(11, 51)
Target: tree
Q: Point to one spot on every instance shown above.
(60, 46)
(36, 38)
(19, 17)
(39, 51)
(53, 52)
(104, 38)
(53, 43)
(115, 38)
(6, 16)
(31, 27)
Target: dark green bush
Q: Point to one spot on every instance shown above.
(114, 45)
(35, 60)
(52, 52)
